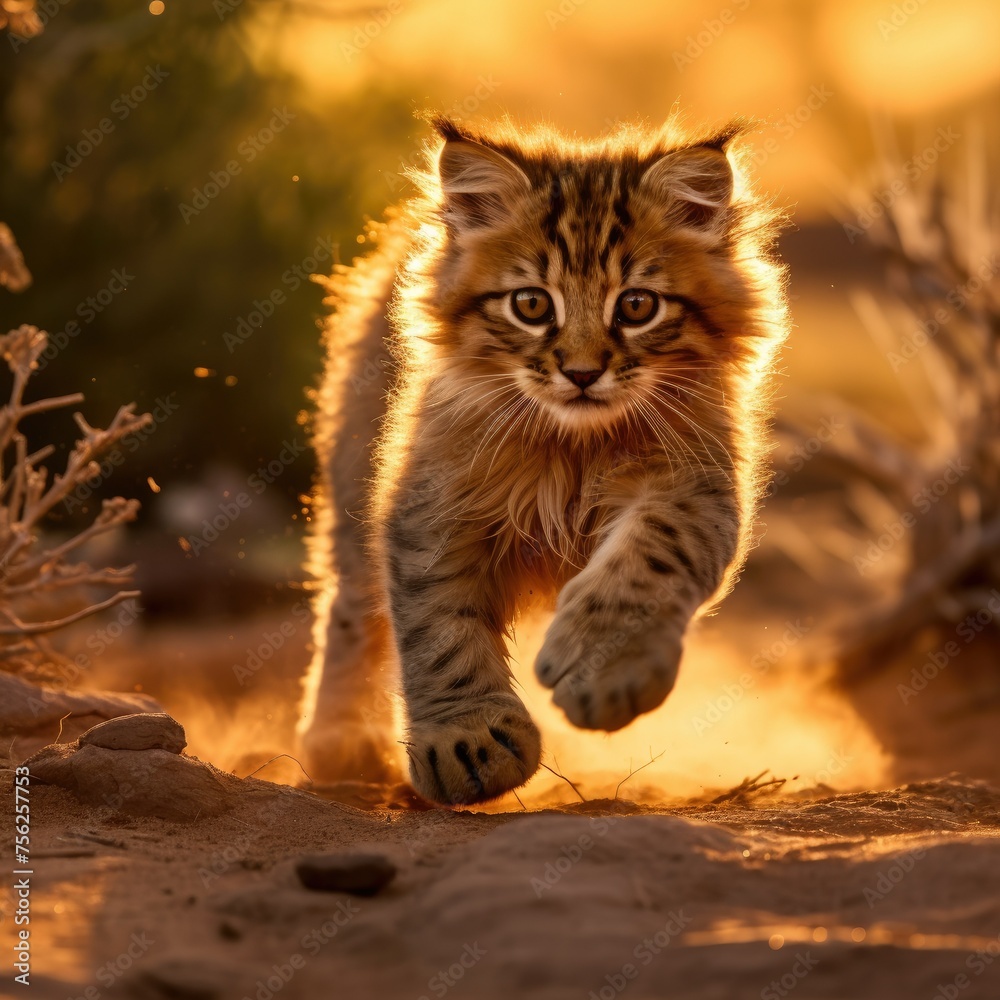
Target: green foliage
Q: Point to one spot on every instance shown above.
(113, 119)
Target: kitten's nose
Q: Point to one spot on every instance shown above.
(582, 379)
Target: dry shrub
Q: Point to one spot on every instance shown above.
(31, 564)
(36, 569)
(925, 509)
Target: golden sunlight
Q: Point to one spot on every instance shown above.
(780, 66)
(916, 56)
(478, 338)
(729, 717)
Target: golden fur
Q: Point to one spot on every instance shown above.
(568, 401)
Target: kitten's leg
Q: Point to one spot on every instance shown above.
(469, 736)
(347, 728)
(614, 646)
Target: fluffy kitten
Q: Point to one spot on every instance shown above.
(565, 401)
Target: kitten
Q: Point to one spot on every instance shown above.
(565, 402)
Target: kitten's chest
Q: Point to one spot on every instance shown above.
(551, 516)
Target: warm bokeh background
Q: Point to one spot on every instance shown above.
(212, 153)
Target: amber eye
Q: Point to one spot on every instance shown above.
(636, 306)
(532, 305)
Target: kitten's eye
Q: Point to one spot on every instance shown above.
(636, 306)
(532, 305)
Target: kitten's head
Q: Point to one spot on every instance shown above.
(599, 282)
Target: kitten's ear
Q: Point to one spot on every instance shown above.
(476, 181)
(695, 185)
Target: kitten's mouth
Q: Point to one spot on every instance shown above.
(584, 413)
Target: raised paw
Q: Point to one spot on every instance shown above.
(473, 757)
(606, 684)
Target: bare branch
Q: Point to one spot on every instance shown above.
(564, 778)
(113, 513)
(13, 273)
(19, 628)
(51, 404)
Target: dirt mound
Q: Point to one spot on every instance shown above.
(891, 894)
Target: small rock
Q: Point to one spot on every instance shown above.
(145, 731)
(230, 930)
(360, 874)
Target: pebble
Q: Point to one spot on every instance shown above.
(359, 874)
(144, 731)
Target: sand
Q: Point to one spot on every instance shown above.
(888, 894)
(865, 871)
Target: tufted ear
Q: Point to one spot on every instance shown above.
(476, 180)
(694, 184)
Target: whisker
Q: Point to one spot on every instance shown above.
(649, 414)
(496, 451)
(678, 409)
(495, 425)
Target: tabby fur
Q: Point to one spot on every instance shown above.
(475, 463)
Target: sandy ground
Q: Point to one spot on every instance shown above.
(810, 888)
(890, 894)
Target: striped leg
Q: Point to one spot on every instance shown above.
(613, 649)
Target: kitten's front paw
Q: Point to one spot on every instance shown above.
(606, 684)
(474, 757)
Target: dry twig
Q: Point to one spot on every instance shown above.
(14, 275)
(747, 787)
(652, 760)
(564, 778)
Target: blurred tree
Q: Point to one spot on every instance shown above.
(170, 187)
